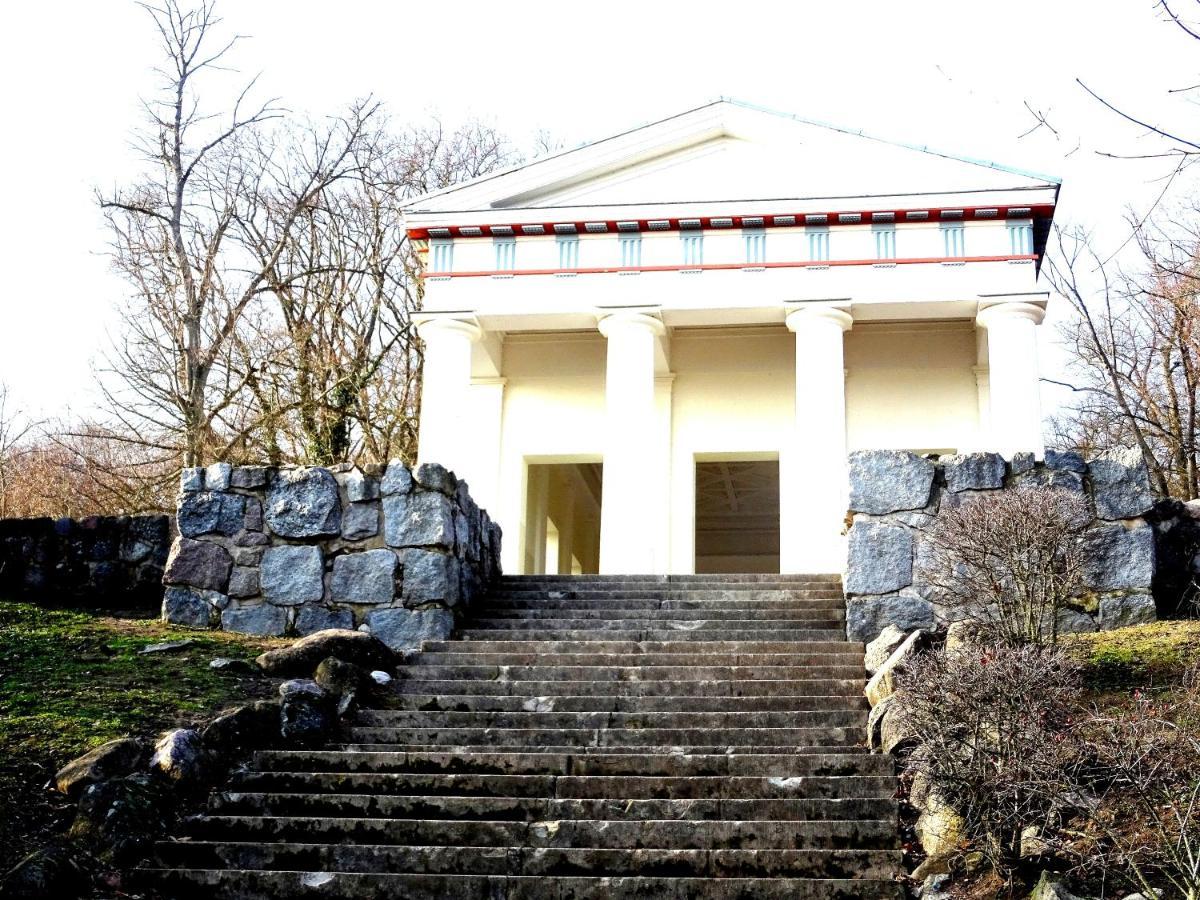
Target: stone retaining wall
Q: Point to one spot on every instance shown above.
(299, 550)
(106, 562)
(895, 495)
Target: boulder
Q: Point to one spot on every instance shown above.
(429, 577)
(191, 479)
(397, 479)
(52, 872)
(206, 512)
(973, 471)
(307, 715)
(249, 477)
(307, 686)
(192, 608)
(1127, 609)
(866, 617)
(961, 635)
(360, 520)
(407, 629)
(367, 577)
(1118, 558)
(1074, 621)
(232, 666)
(216, 476)
(880, 558)
(340, 677)
(198, 564)
(875, 722)
(434, 477)
(303, 503)
(313, 617)
(292, 575)
(303, 657)
(894, 736)
(1052, 887)
(243, 581)
(259, 618)
(1066, 461)
(179, 757)
(422, 519)
(939, 828)
(884, 481)
(127, 815)
(883, 682)
(882, 647)
(244, 728)
(1121, 484)
(116, 758)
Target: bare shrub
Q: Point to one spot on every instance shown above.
(1010, 560)
(989, 722)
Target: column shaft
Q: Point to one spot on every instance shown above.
(1015, 393)
(445, 383)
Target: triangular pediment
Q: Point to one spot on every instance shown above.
(722, 152)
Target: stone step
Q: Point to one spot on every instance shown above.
(625, 787)
(652, 621)
(629, 704)
(581, 659)
(240, 884)
(825, 763)
(713, 687)
(678, 582)
(605, 737)
(747, 594)
(871, 834)
(489, 612)
(831, 717)
(537, 600)
(857, 864)
(537, 809)
(546, 632)
(639, 674)
(853, 651)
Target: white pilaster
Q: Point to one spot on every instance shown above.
(631, 458)
(445, 436)
(1015, 409)
(813, 488)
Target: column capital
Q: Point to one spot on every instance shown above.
(800, 313)
(1009, 311)
(431, 326)
(642, 317)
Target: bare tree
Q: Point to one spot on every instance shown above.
(15, 429)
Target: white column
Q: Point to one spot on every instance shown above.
(631, 469)
(813, 487)
(445, 436)
(1015, 412)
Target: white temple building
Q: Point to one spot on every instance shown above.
(652, 354)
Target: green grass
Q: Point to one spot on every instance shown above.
(1139, 657)
(72, 679)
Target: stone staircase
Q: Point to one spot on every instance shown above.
(584, 738)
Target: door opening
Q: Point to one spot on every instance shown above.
(737, 516)
(562, 519)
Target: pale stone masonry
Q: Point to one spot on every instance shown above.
(895, 495)
(298, 550)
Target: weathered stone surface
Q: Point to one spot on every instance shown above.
(883, 682)
(367, 577)
(1121, 484)
(198, 564)
(422, 519)
(191, 607)
(249, 477)
(301, 686)
(1052, 887)
(407, 629)
(207, 512)
(429, 577)
(1074, 621)
(880, 559)
(216, 476)
(397, 479)
(254, 515)
(894, 734)
(1125, 610)
(961, 635)
(358, 487)
(50, 872)
(232, 666)
(261, 618)
(1117, 558)
(1022, 462)
(179, 756)
(974, 471)
(243, 582)
(126, 815)
(866, 617)
(303, 657)
(120, 757)
(303, 503)
(292, 575)
(875, 722)
(306, 716)
(884, 481)
(360, 520)
(434, 477)
(191, 479)
(251, 539)
(249, 727)
(1066, 460)
(1063, 479)
(314, 617)
(939, 828)
(882, 647)
(340, 677)
(247, 557)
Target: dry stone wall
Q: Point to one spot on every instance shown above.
(895, 495)
(297, 550)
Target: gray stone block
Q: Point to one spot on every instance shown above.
(434, 477)
(253, 518)
(1062, 479)
(1022, 462)
(422, 519)
(1121, 484)
(880, 558)
(1124, 610)
(360, 520)
(429, 577)
(867, 617)
(216, 476)
(1117, 558)
(249, 477)
(367, 577)
(313, 618)
(250, 539)
(1074, 621)
(262, 618)
(191, 480)
(884, 481)
(198, 564)
(974, 471)
(397, 479)
(292, 575)
(303, 503)
(1065, 460)
(247, 556)
(210, 512)
(243, 582)
(358, 487)
(406, 629)
(192, 608)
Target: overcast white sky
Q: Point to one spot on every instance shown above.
(953, 75)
